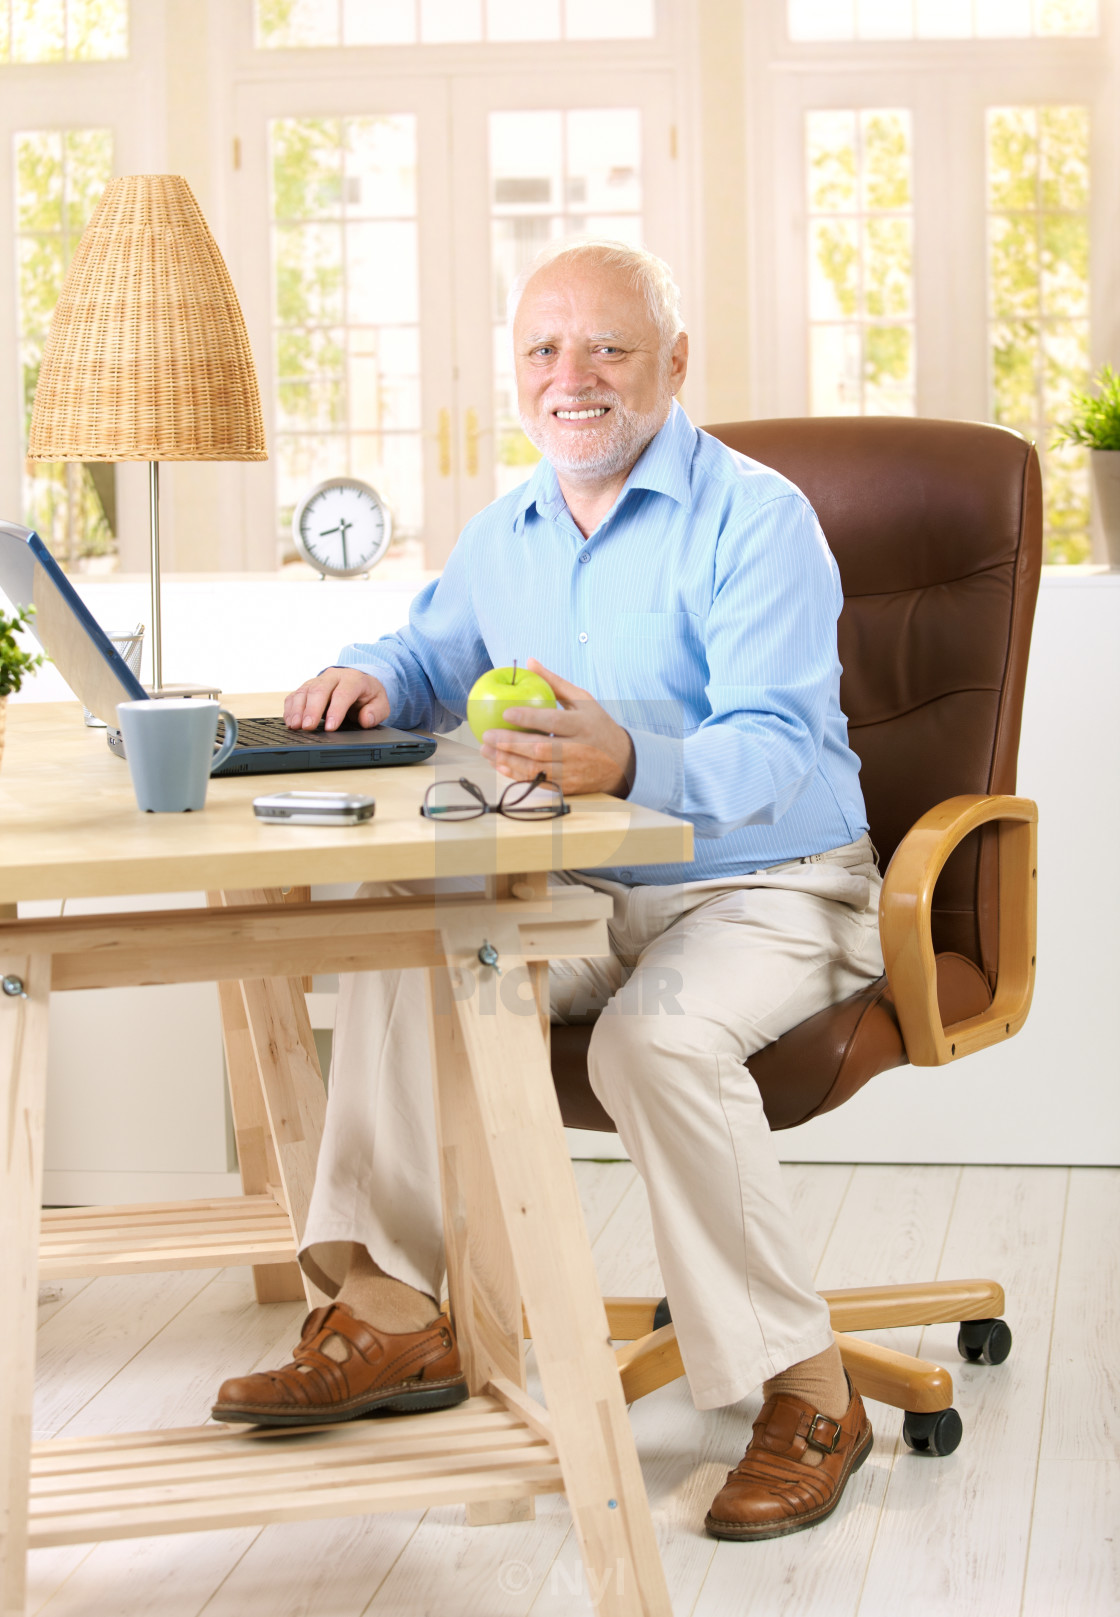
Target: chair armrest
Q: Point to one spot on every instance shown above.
(905, 930)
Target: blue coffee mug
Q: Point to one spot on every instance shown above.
(169, 744)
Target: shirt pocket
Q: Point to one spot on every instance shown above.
(660, 656)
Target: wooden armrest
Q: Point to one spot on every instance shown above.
(904, 926)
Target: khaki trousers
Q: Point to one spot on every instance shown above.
(700, 976)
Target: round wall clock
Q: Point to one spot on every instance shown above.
(342, 527)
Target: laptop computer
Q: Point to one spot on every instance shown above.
(97, 674)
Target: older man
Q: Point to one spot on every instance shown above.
(682, 603)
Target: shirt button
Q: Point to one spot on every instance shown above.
(583, 639)
(583, 556)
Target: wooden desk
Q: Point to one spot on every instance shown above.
(514, 1230)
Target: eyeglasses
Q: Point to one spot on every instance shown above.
(463, 800)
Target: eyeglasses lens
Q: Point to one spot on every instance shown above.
(524, 801)
(447, 800)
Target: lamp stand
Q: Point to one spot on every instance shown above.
(153, 516)
(158, 687)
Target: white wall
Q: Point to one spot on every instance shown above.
(1053, 1093)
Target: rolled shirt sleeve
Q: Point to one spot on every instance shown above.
(429, 666)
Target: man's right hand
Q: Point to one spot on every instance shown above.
(337, 692)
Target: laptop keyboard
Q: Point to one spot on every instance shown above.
(274, 733)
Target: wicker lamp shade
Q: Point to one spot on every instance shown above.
(147, 356)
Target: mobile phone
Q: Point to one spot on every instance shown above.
(314, 808)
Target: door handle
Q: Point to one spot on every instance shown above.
(472, 432)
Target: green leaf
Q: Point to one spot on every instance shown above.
(15, 663)
(1094, 419)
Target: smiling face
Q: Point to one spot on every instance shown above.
(595, 378)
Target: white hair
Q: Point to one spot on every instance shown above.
(646, 272)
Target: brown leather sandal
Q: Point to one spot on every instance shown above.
(774, 1490)
(404, 1374)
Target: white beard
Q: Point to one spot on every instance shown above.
(594, 456)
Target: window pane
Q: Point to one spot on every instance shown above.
(821, 19)
(944, 19)
(1012, 158)
(835, 357)
(522, 19)
(96, 30)
(553, 175)
(1064, 157)
(450, 21)
(38, 30)
(309, 270)
(1003, 19)
(378, 22)
(604, 161)
(886, 160)
(831, 139)
(346, 316)
(298, 22)
(888, 370)
(809, 20)
(884, 19)
(609, 19)
(1013, 265)
(1065, 16)
(379, 168)
(59, 175)
(886, 267)
(382, 274)
(833, 269)
(1038, 296)
(303, 23)
(861, 340)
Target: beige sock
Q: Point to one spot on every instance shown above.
(820, 1381)
(379, 1300)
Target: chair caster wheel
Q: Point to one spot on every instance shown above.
(938, 1433)
(661, 1314)
(984, 1341)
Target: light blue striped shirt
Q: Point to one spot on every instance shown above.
(701, 613)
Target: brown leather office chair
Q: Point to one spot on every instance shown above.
(937, 530)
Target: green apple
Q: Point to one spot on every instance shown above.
(500, 688)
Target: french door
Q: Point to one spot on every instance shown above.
(377, 225)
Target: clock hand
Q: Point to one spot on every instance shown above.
(344, 525)
(323, 532)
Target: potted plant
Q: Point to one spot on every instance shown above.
(14, 662)
(1094, 421)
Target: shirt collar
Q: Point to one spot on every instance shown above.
(664, 467)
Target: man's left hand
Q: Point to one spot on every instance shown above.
(578, 745)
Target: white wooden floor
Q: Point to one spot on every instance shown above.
(1024, 1519)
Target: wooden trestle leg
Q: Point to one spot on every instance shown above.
(277, 1099)
(23, 1069)
(481, 1277)
(495, 1023)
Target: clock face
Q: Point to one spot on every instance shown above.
(341, 527)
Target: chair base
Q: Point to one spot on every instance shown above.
(651, 1358)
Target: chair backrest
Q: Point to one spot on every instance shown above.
(937, 530)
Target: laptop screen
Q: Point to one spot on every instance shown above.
(64, 626)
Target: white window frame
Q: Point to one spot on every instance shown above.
(318, 77)
(125, 97)
(948, 84)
